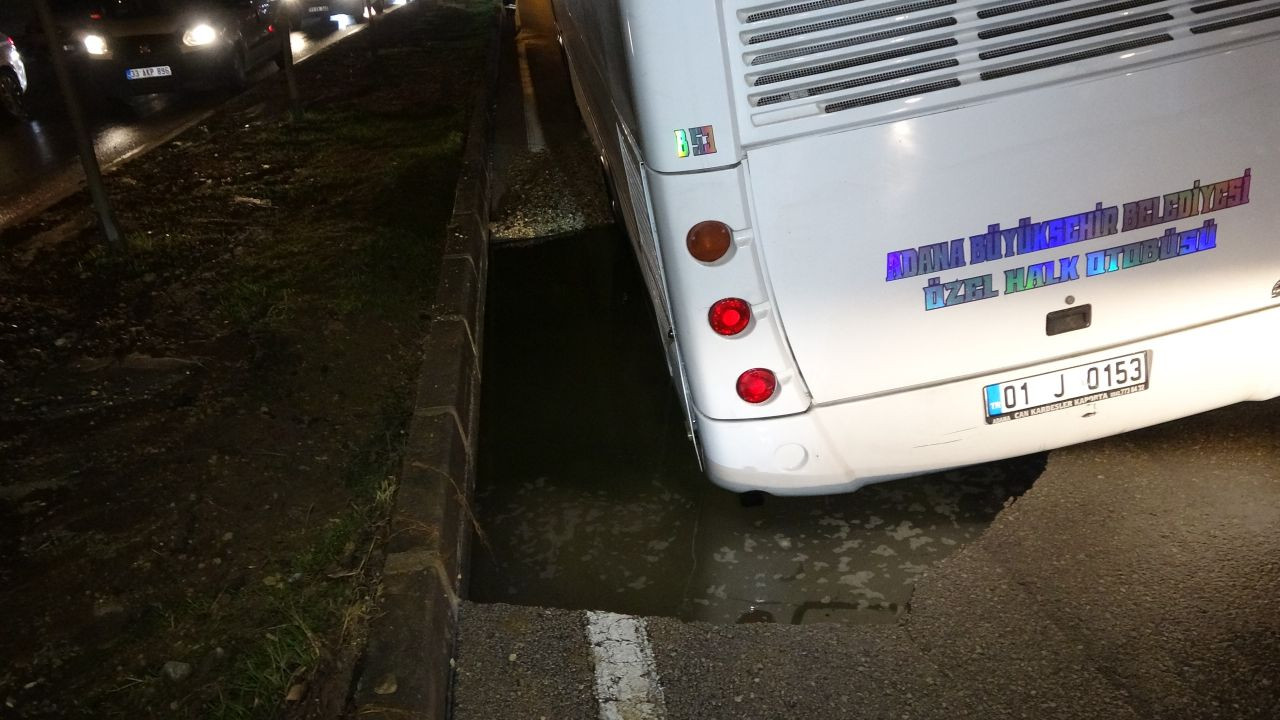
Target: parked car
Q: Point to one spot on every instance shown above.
(13, 79)
(304, 10)
(137, 47)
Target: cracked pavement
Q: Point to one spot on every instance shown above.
(1136, 579)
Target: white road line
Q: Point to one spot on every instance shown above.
(532, 126)
(627, 685)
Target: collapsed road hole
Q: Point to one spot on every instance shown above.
(590, 495)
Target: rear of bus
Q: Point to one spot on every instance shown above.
(961, 230)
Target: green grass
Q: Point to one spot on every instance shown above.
(376, 250)
(288, 650)
(259, 682)
(360, 196)
(248, 303)
(143, 253)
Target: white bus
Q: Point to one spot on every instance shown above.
(885, 237)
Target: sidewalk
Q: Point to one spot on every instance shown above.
(200, 442)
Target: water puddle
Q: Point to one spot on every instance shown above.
(590, 496)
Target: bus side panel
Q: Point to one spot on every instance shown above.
(675, 59)
(591, 36)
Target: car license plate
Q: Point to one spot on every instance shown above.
(318, 8)
(148, 72)
(1062, 389)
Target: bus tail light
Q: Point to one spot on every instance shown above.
(757, 385)
(709, 240)
(729, 316)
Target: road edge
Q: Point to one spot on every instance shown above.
(70, 180)
(406, 671)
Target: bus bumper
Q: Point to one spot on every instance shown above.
(843, 446)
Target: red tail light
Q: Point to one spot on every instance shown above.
(709, 240)
(729, 316)
(757, 385)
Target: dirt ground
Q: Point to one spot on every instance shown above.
(199, 439)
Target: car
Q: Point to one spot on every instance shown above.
(13, 79)
(304, 10)
(138, 47)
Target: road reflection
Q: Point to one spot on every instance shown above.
(38, 158)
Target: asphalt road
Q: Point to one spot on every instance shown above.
(1136, 579)
(38, 161)
(1132, 577)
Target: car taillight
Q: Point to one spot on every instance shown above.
(729, 316)
(757, 385)
(709, 240)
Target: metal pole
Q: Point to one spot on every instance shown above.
(373, 28)
(84, 141)
(290, 78)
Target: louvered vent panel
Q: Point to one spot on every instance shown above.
(870, 58)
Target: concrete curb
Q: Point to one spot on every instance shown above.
(406, 670)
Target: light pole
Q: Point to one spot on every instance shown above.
(291, 81)
(84, 141)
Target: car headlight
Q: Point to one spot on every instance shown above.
(201, 34)
(95, 45)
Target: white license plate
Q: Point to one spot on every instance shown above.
(318, 8)
(1062, 389)
(148, 72)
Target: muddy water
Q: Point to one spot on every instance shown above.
(590, 495)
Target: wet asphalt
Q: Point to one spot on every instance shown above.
(38, 161)
(1137, 578)
(1132, 577)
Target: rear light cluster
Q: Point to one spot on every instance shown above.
(730, 316)
(708, 242)
(757, 385)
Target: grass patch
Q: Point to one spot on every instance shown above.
(258, 684)
(377, 250)
(144, 252)
(289, 650)
(374, 458)
(292, 262)
(247, 303)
